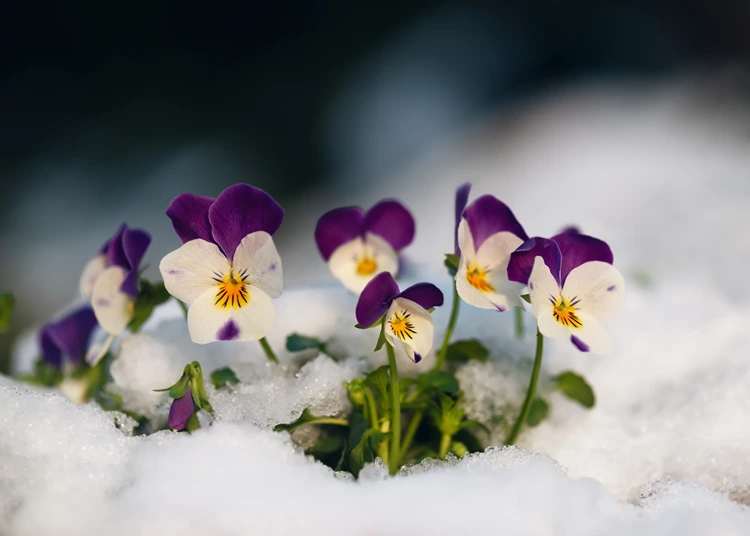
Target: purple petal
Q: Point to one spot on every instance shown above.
(522, 260)
(240, 210)
(51, 354)
(417, 357)
(71, 335)
(116, 253)
(577, 249)
(135, 242)
(392, 221)
(189, 215)
(425, 294)
(375, 299)
(462, 197)
(578, 343)
(228, 332)
(181, 410)
(571, 229)
(337, 227)
(488, 215)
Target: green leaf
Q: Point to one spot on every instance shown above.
(537, 412)
(378, 380)
(305, 418)
(149, 296)
(7, 304)
(526, 298)
(356, 391)
(193, 423)
(576, 388)
(438, 380)
(378, 321)
(381, 338)
(178, 389)
(451, 263)
(44, 374)
(471, 423)
(458, 448)
(364, 451)
(221, 377)
(328, 444)
(297, 343)
(463, 351)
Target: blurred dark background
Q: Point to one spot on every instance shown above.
(108, 111)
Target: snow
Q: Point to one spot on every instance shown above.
(660, 175)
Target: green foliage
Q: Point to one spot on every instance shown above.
(298, 343)
(221, 377)
(451, 263)
(537, 412)
(381, 338)
(364, 443)
(7, 304)
(149, 296)
(439, 380)
(378, 379)
(463, 351)
(44, 375)
(576, 388)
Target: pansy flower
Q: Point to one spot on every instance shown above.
(407, 316)
(227, 270)
(358, 245)
(111, 278)
(487, 234)
(68, 338)
(573, 287)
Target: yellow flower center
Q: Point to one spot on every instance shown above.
(477, 278)
(564, 311)
(231, 290)
(366, 266)
(401, 325)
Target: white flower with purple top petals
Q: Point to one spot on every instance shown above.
(358, 245)
(573, 287)
(407, 316)
(487, 234)
(111, 278)
(228, 270)
(67, 339)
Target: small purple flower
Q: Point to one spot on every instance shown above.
(111, 278)
(573, 287)
(407, 317)
(181, 410)
(487, 234)
(67, 338)
(227, 270)
(358, 245)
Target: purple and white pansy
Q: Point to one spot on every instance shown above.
(358, 245)
(573, 287)
(111, 278)
(487, 234)
(228, 269)
(67, 339)
(406, 314)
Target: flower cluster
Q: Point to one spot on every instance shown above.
(227, 272)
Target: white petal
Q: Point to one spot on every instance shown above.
(599, 287)
(505, 295)
(592, 334)
(91, 273)
(548, 326)
(208, 322)
(344, 261)
(466, 241)
(494, 253)
(189, 271)
(113, 308)
(420, 328)
(257, 254)
(542, 286)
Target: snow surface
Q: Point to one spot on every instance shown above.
(666, 450)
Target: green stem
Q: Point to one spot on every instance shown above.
(519, 322)
(372, 409)
(449, 330)
(411, 430)
(445, 443)
(393, 455)
(530, 392)
(327, 420)
(267, 349)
